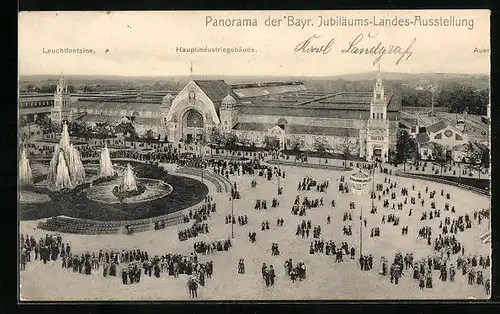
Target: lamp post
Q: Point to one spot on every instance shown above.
(360, 182)
(279, 171)
(361, 232)
(201, 157)
(373, 184)
(232, 213)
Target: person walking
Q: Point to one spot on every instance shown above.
(272, 275)
(193, 288)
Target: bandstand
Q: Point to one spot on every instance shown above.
(360, 182)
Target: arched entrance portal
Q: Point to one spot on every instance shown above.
(377, 152)
(193, 126)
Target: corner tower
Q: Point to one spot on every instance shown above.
(377, 139)
(61, 111)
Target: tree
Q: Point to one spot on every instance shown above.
(485, 158)
(188, 140)
(231, 141)
(216, 138)
(393, 158)
(79, 129)
(296, 145)
(460, 97)
(104, 129)
(406, 148)
(439, 155)
(45, 124)
(347, 143)
(253, 145)
(244, 141)
(320, 145)
(126, 129)
(478, 158)
(271, 143)
(149, 135)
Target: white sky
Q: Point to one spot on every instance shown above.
(144, 43)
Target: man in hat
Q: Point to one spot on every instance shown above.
(272, 275)
(193, 287)
(124, 276)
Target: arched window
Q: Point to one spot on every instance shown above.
(194, 119)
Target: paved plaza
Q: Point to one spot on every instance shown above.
(325, 278)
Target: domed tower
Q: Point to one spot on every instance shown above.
(61, 111)
(228, 114)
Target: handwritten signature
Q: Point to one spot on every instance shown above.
(308, 47)
(358, 46)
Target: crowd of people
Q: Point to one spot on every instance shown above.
(444, 245)
(297, 271)
(206, 248)
(193, 231)
(130, 265)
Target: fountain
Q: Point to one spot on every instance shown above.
(105, 163)
(25, 174)
(128, 180)
(128, 187)
(63, 179)
(66, 168)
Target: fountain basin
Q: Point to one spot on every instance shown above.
(29, 197)
(103, 193)
(76, 203)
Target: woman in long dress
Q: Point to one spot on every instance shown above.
(428, 281)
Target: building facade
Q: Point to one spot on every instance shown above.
(364, 123)
(442, 133)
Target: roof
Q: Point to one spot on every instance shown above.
(216, 90)
(250, 126)
(438, 126)
(147, 121)
(264, 89)
(265, 84)
(282, 111)
(322, 130)
(409, 121)
(405, 124)
(360, 177)
(44, 109)
(299, 129)
(422, 138)
(282, 121)
(100, 119)
(117, 105)
(355, 101)
(229, 99)
(117, 119)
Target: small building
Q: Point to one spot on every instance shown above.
(446, 135)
